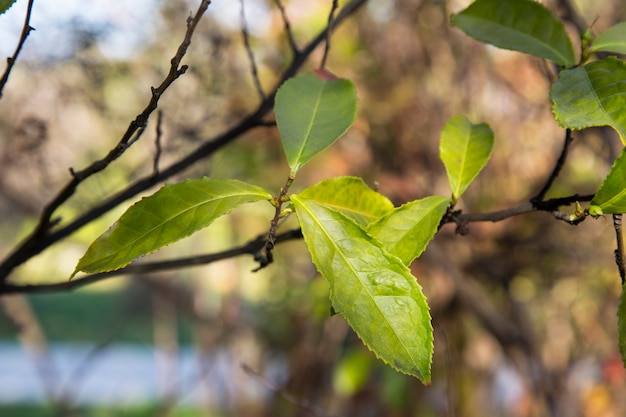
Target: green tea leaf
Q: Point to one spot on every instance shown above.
(172, 213)
(465, 149)
(352, 197)
(6, 5)
(621, 324)
(407, 230)
(519, 25)
(592, 95)
(371, 288)
(312, 111)
(611, 40)
(611, 197)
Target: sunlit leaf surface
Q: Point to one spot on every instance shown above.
(611, 40)
(464, 149)
(352, 197)
(407, 230)
(592, 95)
(371, 288)
(519, 25)
(611, 197)
(172, 213)
(312, 111)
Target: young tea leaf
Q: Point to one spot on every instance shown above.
(407, 230)
(611, 197)
(592, 95)
(352, 197)
(312, 111)
(465, 149)
(611, 40)
(519, 25)
(371, 288)
(172, 213)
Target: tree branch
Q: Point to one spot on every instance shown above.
(42, 237)
(26, 29)
(246, 41)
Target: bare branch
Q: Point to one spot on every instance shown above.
(290, 38)
(26, 29)
(157, 144)
(253, 248)
(246, 41)
(619, 252)
(133, 132)
(331, 22)
(42, 237)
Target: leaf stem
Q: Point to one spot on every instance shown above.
(265, 256)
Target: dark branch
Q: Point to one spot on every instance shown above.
(26, 29)
(331, 23)
(552, 205)
(134, 131)
(246, 41)
(157, 144)
(37, 242)
(619, 252)
(253, 248)
(290, 38)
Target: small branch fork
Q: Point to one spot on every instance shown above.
(246, 41)
(43, 236)
(135, 129)
(265, 257)
(26, 29)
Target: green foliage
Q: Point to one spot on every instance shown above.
(312, 111)
(464, 149)
(519, 25)
(358, 241)
(611, 40)
(352, 197)
(370, 287)
(407, 230)
(611, 197)
(6, 5)
(172, 213)
(592, 95)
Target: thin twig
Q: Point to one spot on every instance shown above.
(253, 248)
(331, 23)
(246, 41)
(290, 38)
(157, 144)
(37, 242)
(134, 129)
(26, 29)
(265, 258)
(619, 252)
(550, 206)
(557, 167)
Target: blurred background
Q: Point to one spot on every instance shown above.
(524, 310)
